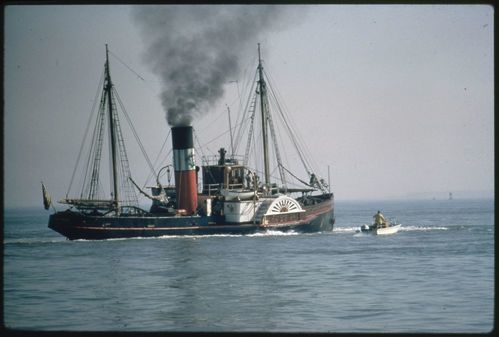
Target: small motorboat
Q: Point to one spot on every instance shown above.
(384, 229)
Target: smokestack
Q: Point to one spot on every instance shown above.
(185, 169)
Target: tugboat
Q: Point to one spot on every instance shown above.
(232, 201)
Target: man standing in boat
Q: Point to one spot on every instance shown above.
(379, 220)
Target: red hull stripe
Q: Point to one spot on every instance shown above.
(159, 228)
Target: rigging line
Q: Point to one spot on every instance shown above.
(146, 82)
(213, 122)
(240, 107)
(282, 140)
(221, 135)
(199, 143)
(206, 159)
(289, 128)
(95, 151)
(296, 177)
(249, 114)
(275, 106)
(128, 195)
(86, 132)
(302, 145)
(157, 157)
(250, 134)
(257, 144)
(278, 135)
(234, 100)
(134, 132)
(239, 96)
(240, 111)
(272, 174)
(92, 162)
(122, 62)
(162, 163)
(276, 147)
(245, 112)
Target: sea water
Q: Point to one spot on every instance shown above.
(435, 275)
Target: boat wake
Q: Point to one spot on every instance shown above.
(267, 233)
(422, 228)
(273, 233)
(404, 228)
(31, 241)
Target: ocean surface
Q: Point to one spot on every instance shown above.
(435, 275)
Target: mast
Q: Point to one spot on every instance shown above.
(230, 131)
(263, 93)
(114, 178)
(328, 180)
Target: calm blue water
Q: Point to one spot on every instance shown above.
(435, 275)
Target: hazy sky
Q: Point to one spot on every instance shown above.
(396, 99)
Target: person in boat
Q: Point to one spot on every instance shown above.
(313, 180)
(379, 220)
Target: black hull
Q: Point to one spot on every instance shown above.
(75, 225)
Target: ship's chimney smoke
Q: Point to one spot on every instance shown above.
(196, 50)
(185, 169)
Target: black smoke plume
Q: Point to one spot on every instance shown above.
(196, 50)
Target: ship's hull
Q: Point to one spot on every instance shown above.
(75, 225)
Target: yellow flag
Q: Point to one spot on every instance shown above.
(46, 197)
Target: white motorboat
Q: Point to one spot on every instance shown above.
(385, 229)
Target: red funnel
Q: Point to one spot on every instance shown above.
(185, 169)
